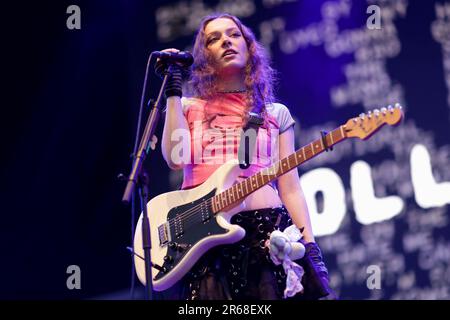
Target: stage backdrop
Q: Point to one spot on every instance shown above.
(379, 208)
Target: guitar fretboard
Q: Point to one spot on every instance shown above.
(242, 189)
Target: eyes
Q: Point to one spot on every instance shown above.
(215, 38)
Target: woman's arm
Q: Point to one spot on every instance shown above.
(316, 274)
(175, 119)
(290, 191)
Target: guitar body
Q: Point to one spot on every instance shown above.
(193, 231)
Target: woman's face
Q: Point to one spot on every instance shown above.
(226, 44)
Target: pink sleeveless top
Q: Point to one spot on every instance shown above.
(215, 129)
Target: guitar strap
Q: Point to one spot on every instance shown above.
(246, 148)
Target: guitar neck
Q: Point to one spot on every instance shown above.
(242, 189)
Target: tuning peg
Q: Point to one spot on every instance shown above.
(355, 120)
(376, 112)
(390, 109)
(398, 106)
(362, 116)
(383, 110)
(369, 114)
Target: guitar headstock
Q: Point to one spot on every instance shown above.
(368, 123)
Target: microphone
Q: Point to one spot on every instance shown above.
(182, 57)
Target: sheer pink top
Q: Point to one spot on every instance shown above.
(215, 129)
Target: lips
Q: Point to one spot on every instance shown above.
(228, 52)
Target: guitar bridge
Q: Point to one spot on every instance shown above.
(164, 234)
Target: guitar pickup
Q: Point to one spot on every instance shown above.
(205, 212)
(164, 234)
(178, 226)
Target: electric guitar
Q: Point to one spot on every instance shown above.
(185, 224)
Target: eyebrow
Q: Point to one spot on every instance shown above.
(227, 30)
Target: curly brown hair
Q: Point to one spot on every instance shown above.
(259, 75)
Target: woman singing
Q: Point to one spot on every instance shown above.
(231, 77)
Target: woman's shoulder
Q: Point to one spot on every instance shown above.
(276, 109)
(189, 99)
(188, 102)
(282, 115)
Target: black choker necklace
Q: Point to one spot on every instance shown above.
(233, 91)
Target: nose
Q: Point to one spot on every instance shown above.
(226, 42)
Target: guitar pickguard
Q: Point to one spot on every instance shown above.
(187, 228)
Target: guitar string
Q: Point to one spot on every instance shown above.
(197, 208)
(192, 212)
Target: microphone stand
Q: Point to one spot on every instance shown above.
(139, 178)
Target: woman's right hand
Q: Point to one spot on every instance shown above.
(160, 66)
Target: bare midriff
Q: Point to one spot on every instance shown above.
(265, 197)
